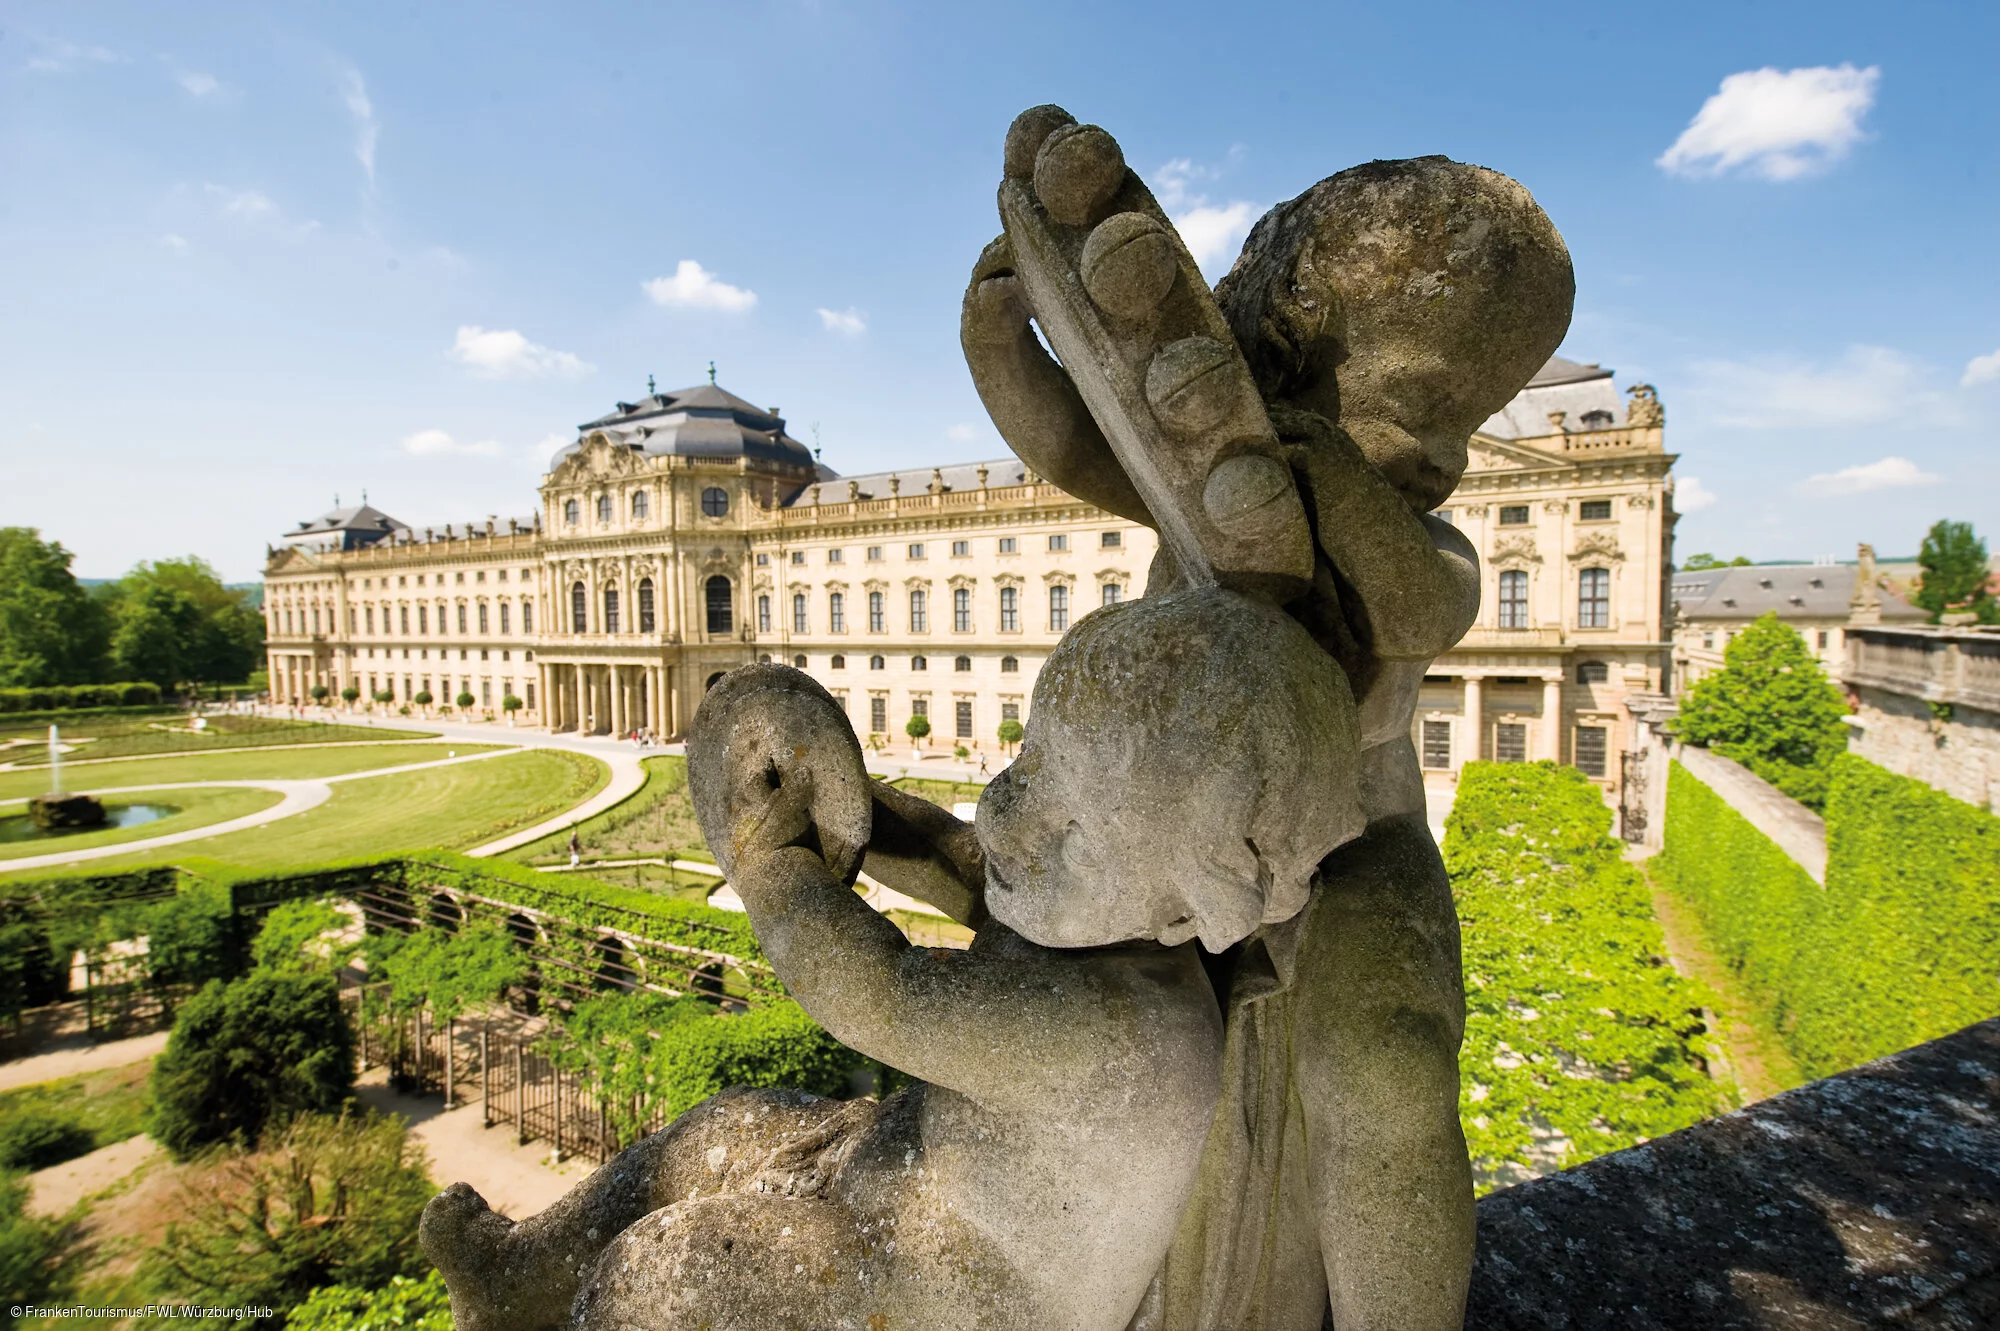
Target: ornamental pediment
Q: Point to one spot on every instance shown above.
(598, 458)
(1597, 545)
(1515, 550)
(1486, 454)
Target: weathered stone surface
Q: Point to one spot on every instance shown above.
(1869, 1199)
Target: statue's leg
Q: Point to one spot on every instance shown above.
(508, 1276)
(1381, 1011)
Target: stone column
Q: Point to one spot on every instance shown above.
(673, 716)
(617, 699)
(1552, 719)
(1475, 724)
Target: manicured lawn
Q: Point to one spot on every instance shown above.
(658, 819)
(55, 1121)
(944, 794)
(278, 764)
(198, 806)
(451, 808)
(120, 736)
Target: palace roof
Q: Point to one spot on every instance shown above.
(348, 528)
(913, 481)
(1583, 393)
(1795, 591)
(703, 422)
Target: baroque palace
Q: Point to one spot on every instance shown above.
(687, 533)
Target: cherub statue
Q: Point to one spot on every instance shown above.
(1188, 765)
(1383, 315)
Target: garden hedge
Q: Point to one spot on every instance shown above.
(1901, 946)
(66, 697)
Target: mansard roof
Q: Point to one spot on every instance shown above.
(704, 421)
(1579, 391)
(348, 528)
(1796, 591)
(913, 481)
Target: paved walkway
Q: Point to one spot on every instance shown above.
(76, 1055)
(515, 1180)
(1796, 830)
(54, 1190)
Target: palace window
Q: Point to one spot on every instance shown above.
(1111, 540)
(368, 617)
(1059, 541)
(1591, 749)
(1444, 515)
(1593, 599)
(503, 617)
(716, 594)
(461, 617)
(798, 612)
(646, 618)
(403, 613)
(920, 663)
(1113, 593)
(798, 663)
(961, 609)
(1822, 639)
(763, 561)
(1010, 711)
(1594, 510)
(571, 512)
(763, 614)
(962, 717)
(875, 612)
(423, 619)
(1009, 664)
(610, 609)
(916, 550)
(834, 556)
(798, 556)
(1058, 608)
(1010, 609)
(714, 501)
(579, 609)
(1510, 742)
(961, 663)
(878, 715)
(1008, 545)
(1513, 599)
(1513, 515)
(920, 613)
(604, 508)
(877, 663)
(1592, 672)
(482, 618)
(920, 707)
(874, 554)
(527, 616)
(836, 612)
(837, 663)
(641, 505)
(1437, 745)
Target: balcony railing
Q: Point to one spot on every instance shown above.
(1936, 665)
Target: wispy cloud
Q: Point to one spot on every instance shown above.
(849, 322)
(1777, 124)
(694, 287)
(367, 129)
(1691, 496)
(60, 57)
(198, 84)
(173, 242)
(1212, 232)
(506, 353)
(1865, 386)
(245, 203)
(962, 433)
(438, 443)
(1980, 370)
(1889, 474)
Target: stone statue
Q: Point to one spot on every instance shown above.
(1198, 1068)
(1644, 409)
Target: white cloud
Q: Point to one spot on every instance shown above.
(59, 57)
(505, 353)
(1690, 495)
(437, 443)
(1981, 370)
(694, 287)
(549, 445)
(246, 203)
(1888, 474)
(1213, 233)
(962, 433)
(354, 91)
(849, 322)
(198, 84)
(1778, 124)
(1866, 386)
(173, 242)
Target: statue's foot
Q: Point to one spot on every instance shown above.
(492, 1285)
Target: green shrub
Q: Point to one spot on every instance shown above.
(917, 726)
(293, 937)
(38, 1261)
(445, 972)
(248, 1053)
(53, 1121)
(38, 1137)
(192, 937)
(63, 697)
(403, 1304)
(1575, 1021)
(1771, 708)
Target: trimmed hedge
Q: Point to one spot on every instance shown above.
(1580, 1038)
(65, 697)
(1901, 946)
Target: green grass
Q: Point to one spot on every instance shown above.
(280, 764)
(124, 736)
(944, 794)
(450, 808)
(658, 819)
(197, 806)
(96, 1109)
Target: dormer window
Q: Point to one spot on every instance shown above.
(1599, 419)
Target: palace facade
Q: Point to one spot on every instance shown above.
(688, 533)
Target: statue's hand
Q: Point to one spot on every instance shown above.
(994, 310)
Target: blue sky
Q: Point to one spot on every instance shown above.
(252, 257)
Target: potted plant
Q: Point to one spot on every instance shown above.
(319, 693)
(423, 700)
(1010, 734)
(510, 705)
(385, 696)
(916, 728)
(350, 695)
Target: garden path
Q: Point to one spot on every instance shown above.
(78, 1058)
(54, 1190)
(515, 1180)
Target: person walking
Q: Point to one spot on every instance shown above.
(575, 849)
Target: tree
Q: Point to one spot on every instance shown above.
(218, 634)
(1771, 708)
(294, 936)
(423, 698)
(323, 1201)
(319, 692)
(38, 1259)
(917, 726)
(51, 630)
(1011, 733)
(404, 1304)
(153, 629)
(191, 937)
(349, 695)
(464, 699)
(384, 695)
(1956, 576)
(249, 1053)
(1697, 562)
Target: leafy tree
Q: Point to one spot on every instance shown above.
(510, 704)
(1955, 573)
(319, 692)
(917, 726)
(191, 937)
(423, 698)
(446, 972)
(51, 630)
(323, 1201)
(349, 694)
(1771, 708)
(153, 629)
(1697, 562)
(385, 695)
(1011, 733)
(248, 1053)
(403, 1304)
(185, 619)
(464, 699)
(294, 937)
(38, 1261)
(31, 974)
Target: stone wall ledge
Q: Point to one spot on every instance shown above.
(1869, 1199)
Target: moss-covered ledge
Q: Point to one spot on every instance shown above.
(1869, 1199)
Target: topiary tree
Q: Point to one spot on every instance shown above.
(319, 693)
(423, 698)
(250, 1053)
(1010, 734)
(350, 695)
(510, 705)
(385, 695)
(917, 726)
(464, 699)
(1771, 708)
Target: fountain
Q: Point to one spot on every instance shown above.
(56, 811)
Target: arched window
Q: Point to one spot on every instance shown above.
(571, 512)
(604, 508)
(716, 594)
(482, 617)
(1593, 599)
(610, 609)
(714, 501)
(646, 621)
(961, 663)
(1058, 608)
(764, 659)
(798, 663)
(919, 663)
(875, 612)
(1513, 599)
(423, 618)
(1592, 672)
(461, 617)
(527, 616)
(1010, 665)
(763, 614)
(579, 609)
(837, 663)
(836, 612)
(640, 505)
(877, 663)
(920, 611)
(1010, 609)
(961, 610)
(1113, 593)
(504, 630)
(798, 612)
